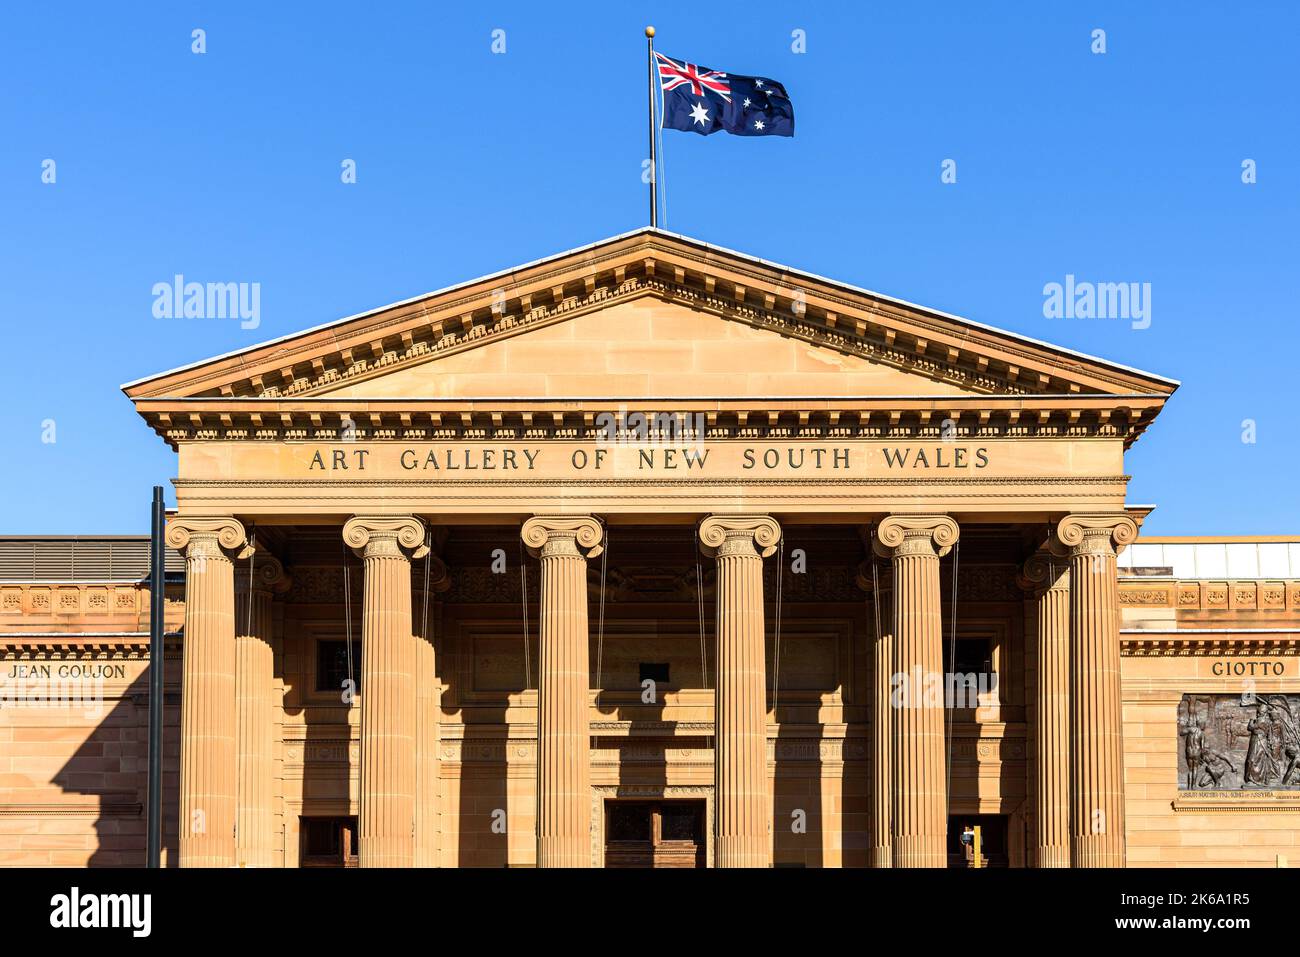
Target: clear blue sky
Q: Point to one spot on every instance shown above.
(225, 166)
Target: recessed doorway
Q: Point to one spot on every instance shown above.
(993, 840)
(654, 833)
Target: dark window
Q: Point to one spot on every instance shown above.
(328, 841)
(658, 673)
(974, 656)
(680, 822)
(629, 822)
(332, 665)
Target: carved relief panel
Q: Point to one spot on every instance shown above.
(1239, 742)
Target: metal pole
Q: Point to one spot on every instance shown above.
(157, 600)
(650, 102)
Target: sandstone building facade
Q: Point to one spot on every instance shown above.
(655, 554)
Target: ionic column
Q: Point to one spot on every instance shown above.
(386, 545)
(915, 543)
(427, 705)
(882, 852)
(563, 543)
(255, 709)
(1047, 578)
(743, 806)
(1096, 716)
(207, 798)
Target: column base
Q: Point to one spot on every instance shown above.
(1094, 856)
(922, 851)
(384, 852)
(562, 852)
(882, 855)
(205, 852)
(1053, 857)
(742, 851)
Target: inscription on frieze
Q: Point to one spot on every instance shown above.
(1235, 742)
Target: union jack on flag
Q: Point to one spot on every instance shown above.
(704, 101)
(673, 74)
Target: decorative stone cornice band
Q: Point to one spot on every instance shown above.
(722, 535)
(371, 536)
(213, 537)
(549, 536)
(1096, 534)
(915, 535)
(244, 418)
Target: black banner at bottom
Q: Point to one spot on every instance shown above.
(599, 908)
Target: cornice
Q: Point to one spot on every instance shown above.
(335, 419)
(56, 646)
(1191, 645)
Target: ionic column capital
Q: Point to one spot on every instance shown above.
(439, 575)
(1095, 534)
(575, 536)
(218, 536)
(747, 535)
(1042, 572)
(377, 536)
(915, 535)
(268, 573)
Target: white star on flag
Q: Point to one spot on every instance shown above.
(758, 124)
(700, 114)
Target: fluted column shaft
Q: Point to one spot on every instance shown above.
(920, 792)
(1047, 578)
(427, 705)
(1096, 717)
(207, 780)
(255, 711)
(743, 804)
(882, 853)
(388, 707)
(563, 545)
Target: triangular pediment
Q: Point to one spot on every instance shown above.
(646, 315)
(642, 346)
(603, 283)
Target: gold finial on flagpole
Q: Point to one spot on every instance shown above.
(649, 31)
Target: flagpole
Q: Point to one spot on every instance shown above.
(650, 102)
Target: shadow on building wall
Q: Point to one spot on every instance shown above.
(108, 775)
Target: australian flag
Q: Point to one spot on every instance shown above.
(705, 101)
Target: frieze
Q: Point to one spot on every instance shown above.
(1193, 595)
(1150, 596)
(676, 584)
(322, 752)
(988, 583)
(323, 584)
(39, 599)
